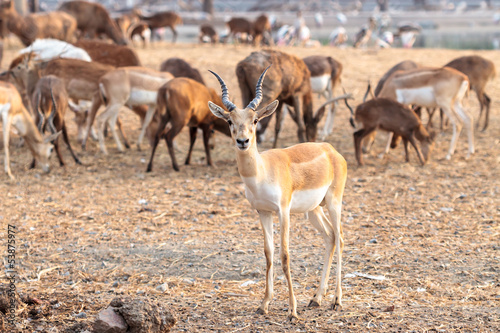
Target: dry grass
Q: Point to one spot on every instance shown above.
(89, 233)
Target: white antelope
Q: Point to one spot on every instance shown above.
(298, 179)
(15, 114)
(434, 87)
(127, 86)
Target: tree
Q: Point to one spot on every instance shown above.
(208, 6)
(383, 5)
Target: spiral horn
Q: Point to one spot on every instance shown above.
(258, 91)
(225, 96)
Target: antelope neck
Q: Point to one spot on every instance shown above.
(249, 161)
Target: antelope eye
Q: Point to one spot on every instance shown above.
(255, 121)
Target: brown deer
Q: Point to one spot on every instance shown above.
(50, 101)
(180, 68)
(168, 19)
(289, 81)
(391, 116)
(109, 54)
(262, 30)
(58, 25)
(479, 71)
(15, 114)
(207, 31)
(184, 102)
(239, 25)
(93, 19)
(140, 30)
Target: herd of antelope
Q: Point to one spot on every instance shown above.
(56, 72)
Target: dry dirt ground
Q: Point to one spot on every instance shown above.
(87, 234)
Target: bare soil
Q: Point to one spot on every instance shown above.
(88, 234)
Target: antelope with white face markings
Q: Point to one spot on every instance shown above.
(434, 87)
(15, 114)
(298, 179)
(127, 86)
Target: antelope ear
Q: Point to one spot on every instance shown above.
(268, 110)
(218, 111)
(51, 138)
(319, 115)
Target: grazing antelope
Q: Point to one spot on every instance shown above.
(479, 71)
(434, 87)
(241, 26)
(109, 54)
(325, 76)
(93, 19)
(168, 19)
(50, 98)
(184, 102)
(394, 117)
(181, 68)
(298, 179)
(404, 65)
(15, 114)
(127, 86)
(208, 33)
(57, 24)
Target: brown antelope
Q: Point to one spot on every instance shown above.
(391, 116)
(140, 30)
(239, 25)
(434, 87)
(15, 114)
(325, 76)
(58, 25)
(180, 68)
(93, 19)
(479, 71)
(298, 179)
(51, 99)
(127, 86)
(184, 102)
(208, 32)
(262, 30)
(168, 19)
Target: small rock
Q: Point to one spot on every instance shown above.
(373, 241)
(162, 287)
(115, 284)
(81, 315)
(189, 281)
(108, 321)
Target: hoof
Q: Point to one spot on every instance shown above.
(313, 304)
(448, 157)
(293, 318)
(337, 305)
(260, 311)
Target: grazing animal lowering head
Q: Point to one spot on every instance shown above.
(243, 122)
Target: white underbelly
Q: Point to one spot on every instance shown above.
(141, 97)
(320, 83)
(306, 200)
(423, 96)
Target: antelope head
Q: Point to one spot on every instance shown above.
(243, 122)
